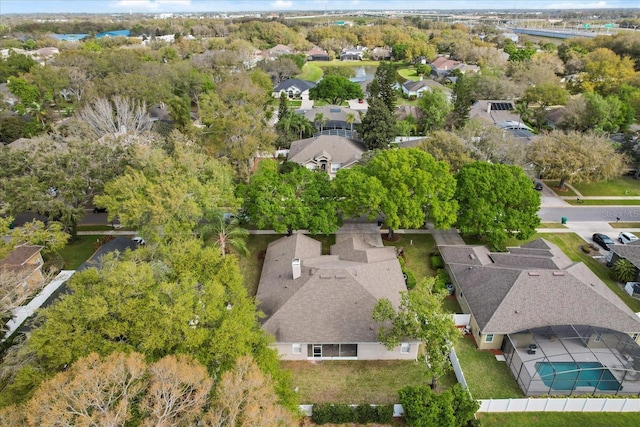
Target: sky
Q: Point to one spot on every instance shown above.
(167, 6)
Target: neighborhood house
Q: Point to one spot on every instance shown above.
(329, 153)
(320, 307)
(561, 329)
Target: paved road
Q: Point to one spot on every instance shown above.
(590, 213)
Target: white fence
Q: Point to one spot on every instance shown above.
(560, 405)
(453, 357)
(461, 319)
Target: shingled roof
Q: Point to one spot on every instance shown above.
(533, 286)
(337, 148)
(17, 259)
(334, 297)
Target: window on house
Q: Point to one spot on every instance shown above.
(296, 348)
(488, 338)
(405, 347)
(598, 337)
(335, 167)
(635, 336)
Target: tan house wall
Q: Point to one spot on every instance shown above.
(366, 351)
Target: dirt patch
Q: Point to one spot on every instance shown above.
(385, 238)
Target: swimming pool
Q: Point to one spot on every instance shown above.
(569, 375)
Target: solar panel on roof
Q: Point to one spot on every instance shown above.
(502, 106)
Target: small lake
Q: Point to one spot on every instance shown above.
(363, 73)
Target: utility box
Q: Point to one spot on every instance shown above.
(563, 220)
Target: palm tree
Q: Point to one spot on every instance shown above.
(226, 232)
(350, 119)
(320, 118)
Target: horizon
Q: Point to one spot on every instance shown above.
(22, 7)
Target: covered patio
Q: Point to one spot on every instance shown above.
(574, 360)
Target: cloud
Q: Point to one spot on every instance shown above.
(577, 5)
(150, 4)
(281, 4)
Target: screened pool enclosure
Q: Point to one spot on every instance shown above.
(574, 360)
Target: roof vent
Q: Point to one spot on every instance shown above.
(296, 268)
(558, 273)
(534, 273)
(341, 276)
(472, 256)
(326, 276)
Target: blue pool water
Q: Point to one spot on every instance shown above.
(569, 375)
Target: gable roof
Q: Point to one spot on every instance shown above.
(532, 286)
(336, 148)
(302, 85)
(333, 299)
(317, 51)
(17, 259)
(444, 63)
(414, 86)
(630, 251)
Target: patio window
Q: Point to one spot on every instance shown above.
(296, 348)
(405, 348)
(488, 338)
(332, 350)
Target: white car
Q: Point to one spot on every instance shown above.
(139, 240)
(626, 238)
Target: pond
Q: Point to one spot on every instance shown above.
(363, 73)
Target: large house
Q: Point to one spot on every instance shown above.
(24, 262)
(544, 310)
(319, 307)
(317, 54)
(294, 88)
(329, 153)
(502, 114)
(416, 88)
(352, 53)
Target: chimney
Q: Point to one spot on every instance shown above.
(295, 268)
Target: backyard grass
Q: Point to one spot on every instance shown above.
(621, 186)
(418, 254)
(560, 419)
(408, 74)
(358, 381)
(487, 377)
(451, 305)
(251, 265)
(312, 70)
(78, 251)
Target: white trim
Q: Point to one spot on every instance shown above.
(486, 338)
(296, 348)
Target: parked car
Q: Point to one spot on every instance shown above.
(625, 238)
(139, 240)
(603, 240)
(538, 185)
(99, 210)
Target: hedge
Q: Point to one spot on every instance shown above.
(341, 413)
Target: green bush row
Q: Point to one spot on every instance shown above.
(361, 414)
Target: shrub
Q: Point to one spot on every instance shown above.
(624, 271)
(362, 414)
(411, 280)
(451, 408)
(436, 262)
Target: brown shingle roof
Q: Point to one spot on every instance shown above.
(333, 299)
(20, 255)
(514, 295)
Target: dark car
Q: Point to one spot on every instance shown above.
(99, 210)
(538, 186)
(603, 240)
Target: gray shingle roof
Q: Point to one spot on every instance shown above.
(302, 85)
(425, 83)
(337, 148)
(514, 295)
(333, 299)
(628, 251)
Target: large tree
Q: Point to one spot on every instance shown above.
(576, 157)
(165, 196)
(378, 127)
(419, 316)
(496, 201)
(335, 90)
(291, 198)
(180, 298)
(383, 85)
(447, 146)
(435, 106)
(417, 188)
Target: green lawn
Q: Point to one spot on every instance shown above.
(551, 225)
(451, 305)
(78, 251)
(312, 71)
(408, 74)
(553, 185)
(560, 419)
(621, 186)
(487, 378)
(418, 254)
(625, 224)
(357, 381)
